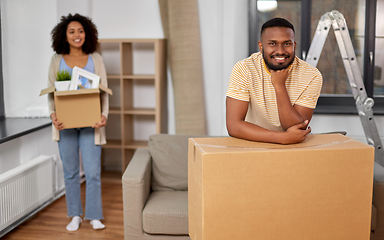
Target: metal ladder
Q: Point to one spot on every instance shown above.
(364, 104)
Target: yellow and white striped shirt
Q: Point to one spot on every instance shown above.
(251, 81)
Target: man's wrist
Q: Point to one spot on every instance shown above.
(280, 87)
(276, 137)
(281, 137)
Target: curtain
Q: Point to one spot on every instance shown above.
(180, 19)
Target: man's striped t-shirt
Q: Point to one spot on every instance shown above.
(251, 81)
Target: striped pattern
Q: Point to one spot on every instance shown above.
(250, 81)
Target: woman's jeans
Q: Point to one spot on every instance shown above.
(71, 140)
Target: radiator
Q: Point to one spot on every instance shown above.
(24, 188)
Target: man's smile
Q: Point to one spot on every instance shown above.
(279, 59)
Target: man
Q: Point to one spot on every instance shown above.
(272, 94)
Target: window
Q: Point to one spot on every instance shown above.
(360, 15)
(378, 38)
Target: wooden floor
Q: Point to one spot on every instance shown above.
(50, 223)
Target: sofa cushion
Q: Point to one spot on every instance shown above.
(166, 212)
(169, 161)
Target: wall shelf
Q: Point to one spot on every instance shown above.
(149, 77)
(136, 72)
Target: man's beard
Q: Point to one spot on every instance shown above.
(279, 66)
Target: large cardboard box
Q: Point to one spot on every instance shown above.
(78, 108)
(320, 189)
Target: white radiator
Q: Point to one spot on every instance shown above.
(24, 188)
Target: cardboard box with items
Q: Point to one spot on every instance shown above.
(318, 189)
(78, 108)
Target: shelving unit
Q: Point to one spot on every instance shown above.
(136, 72)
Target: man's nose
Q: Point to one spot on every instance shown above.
(280, 49)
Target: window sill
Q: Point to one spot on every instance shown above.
(11, 128)
(343, 104)
(351, 110)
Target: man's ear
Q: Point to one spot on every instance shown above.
(260, 45)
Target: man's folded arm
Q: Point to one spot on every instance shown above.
(290, 115)
(239, 128)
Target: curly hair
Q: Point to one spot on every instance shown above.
(59, 34)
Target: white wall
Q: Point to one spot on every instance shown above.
(349, 123)
(26, 27)
(224, 27)
(20, 150)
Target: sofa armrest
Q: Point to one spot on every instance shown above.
(378, 199)
(136, 182)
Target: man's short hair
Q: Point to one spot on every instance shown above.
(277, 22)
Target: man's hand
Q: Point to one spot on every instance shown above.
(58, 125)
(102, 122)
(296, 134)
(279, 77)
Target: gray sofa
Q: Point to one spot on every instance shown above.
(155, 190)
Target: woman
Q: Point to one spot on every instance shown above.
(75, 39)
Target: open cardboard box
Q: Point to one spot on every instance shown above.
(318, 189)
(78, 108)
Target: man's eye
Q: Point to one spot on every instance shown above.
(272, 44)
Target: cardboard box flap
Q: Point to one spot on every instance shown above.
(74, 92)
(105, 89)
(47, 90)
(239, 145)
(77, 92)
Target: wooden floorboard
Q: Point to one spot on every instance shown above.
(50, 223)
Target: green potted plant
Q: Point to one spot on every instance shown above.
(63, 80)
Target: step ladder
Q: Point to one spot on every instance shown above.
(364, 103)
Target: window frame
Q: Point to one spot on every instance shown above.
(331, 104)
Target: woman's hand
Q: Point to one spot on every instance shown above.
(58, 125)
(102, 122)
